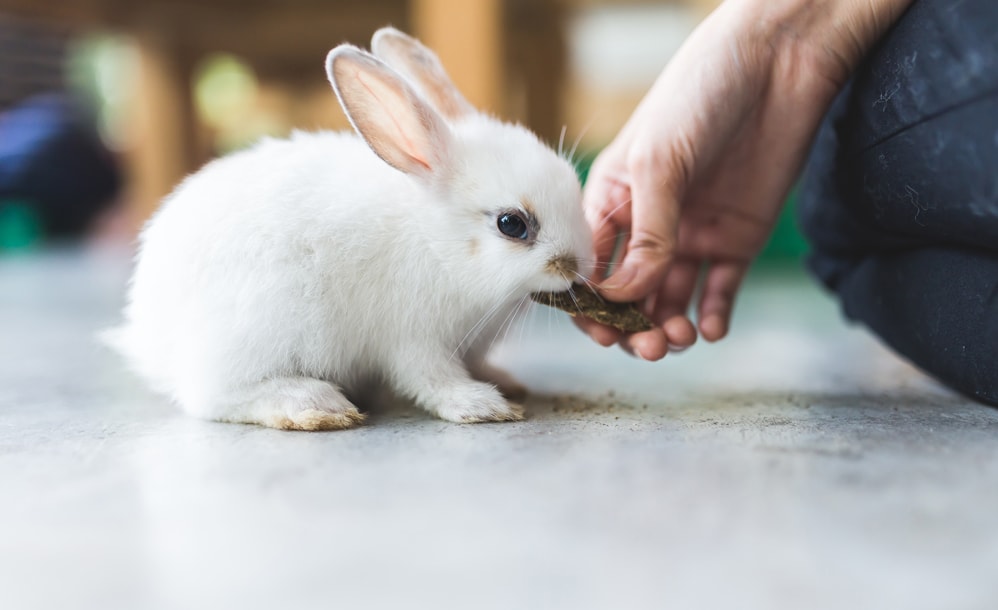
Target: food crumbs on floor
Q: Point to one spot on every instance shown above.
(588, 405)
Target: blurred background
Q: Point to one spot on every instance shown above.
(106, 104)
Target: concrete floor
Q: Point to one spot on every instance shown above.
(796, 465)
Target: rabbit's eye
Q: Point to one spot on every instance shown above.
(511, 224)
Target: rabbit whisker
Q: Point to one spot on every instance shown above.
(479, 326)
(598, 264)
(550, 317)
(506, 324)
(578, 139)
(528, 315)
(523, 307)
(575, 299)
(606, 217)
(589, 284)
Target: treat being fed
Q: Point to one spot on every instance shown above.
(277, 284)
(580, 299)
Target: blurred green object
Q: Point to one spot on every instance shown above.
(20, 226)
(583, 163)
(786, 244)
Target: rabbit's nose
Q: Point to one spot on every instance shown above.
(563, 265)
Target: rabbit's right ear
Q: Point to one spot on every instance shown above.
(398, 125)
(418, 63)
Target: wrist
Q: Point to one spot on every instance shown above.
(830, 37)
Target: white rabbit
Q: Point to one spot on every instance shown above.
(277, 278)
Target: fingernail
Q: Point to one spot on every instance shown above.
(677, 349)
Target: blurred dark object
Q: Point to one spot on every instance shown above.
(54, 164)
(32, 59)
(56, 174)
(900, 198)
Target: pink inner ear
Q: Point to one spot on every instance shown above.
(404, 140)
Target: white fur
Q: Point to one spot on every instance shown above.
(278, 276)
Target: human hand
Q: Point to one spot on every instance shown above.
(697, 177)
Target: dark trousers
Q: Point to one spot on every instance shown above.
(900, 196)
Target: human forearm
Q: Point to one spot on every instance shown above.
(829, 36)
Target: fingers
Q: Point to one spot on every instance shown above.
(680, 333)
(638, 198)
(606, 202)
(718, 298)
(653, 228)
(648, 345)
(604, 335)
(671, 312)
(673, 330)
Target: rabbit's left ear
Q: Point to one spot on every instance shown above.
(398, 125)
(423, 67)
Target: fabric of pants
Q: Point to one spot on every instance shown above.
(899, 198)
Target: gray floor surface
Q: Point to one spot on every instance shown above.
(795, 465)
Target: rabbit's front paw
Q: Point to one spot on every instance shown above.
(479, 402)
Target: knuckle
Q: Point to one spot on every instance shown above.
(649, 245)
(726, 295)
(671, 163)
(643, 161)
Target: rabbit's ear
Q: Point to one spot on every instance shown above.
(423, 67)
(398, 125)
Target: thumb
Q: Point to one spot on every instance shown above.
(653, 235)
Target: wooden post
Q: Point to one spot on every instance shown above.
(703, 7)
(537, 57)
(467, 35)
(162, 135)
